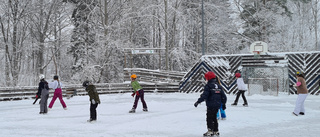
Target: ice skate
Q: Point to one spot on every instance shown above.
(234, 104)
(132, 111)
(301, 113)
(245, 104)
(91, 120)
(294, 114)
(145, 109)
(209, 133)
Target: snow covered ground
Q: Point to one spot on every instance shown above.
(170, 115)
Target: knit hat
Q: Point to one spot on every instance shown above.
(238, 75)
(133, 76)
(300, 74)
(209, 75)
(86, 83)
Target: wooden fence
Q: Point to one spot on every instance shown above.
(102, 88)
(148, 75)
(150, 80)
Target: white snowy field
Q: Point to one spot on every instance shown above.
(170, 115)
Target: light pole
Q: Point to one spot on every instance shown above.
(202, 15)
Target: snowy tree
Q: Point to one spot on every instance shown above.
(91, 39)
(13, 29)
(260, 17)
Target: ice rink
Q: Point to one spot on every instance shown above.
(170, 115)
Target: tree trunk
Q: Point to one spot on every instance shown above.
(7, 54)
(166, 32)
(315, 18)
(41, 41)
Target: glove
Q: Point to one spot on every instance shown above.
(196, 104)
(134, 93)
(37, 96)
(224, 107)
(137, 93)
(92, 101)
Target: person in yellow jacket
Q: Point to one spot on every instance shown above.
(139, 93)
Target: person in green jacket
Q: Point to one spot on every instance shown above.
(138, 91)
(94, 99)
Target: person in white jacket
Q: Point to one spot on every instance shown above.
(56, 85)
(242, 88)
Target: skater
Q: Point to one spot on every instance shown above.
(242, 88)
(93, 98)
(43, 93)
(302, 92)
(139, 93)
(221, 113)
(214, 97)
(56, 85)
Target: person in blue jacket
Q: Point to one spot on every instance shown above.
(214, 96)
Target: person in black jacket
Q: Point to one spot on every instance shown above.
(43, 93)
(215, 97)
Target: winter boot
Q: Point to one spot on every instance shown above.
(209, 133)
(234, 104)
(145, 109)
(132, 111)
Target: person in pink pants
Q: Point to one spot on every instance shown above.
(56, 85)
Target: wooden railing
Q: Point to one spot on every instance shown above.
(150, 80)
(148, 75)
(19, 93)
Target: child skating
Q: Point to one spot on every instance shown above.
(43, 93)
(242, 89)
(302, 92)
(139, 93)
(56, 85)
(214, 97)
(93, 98)
(221, 114)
